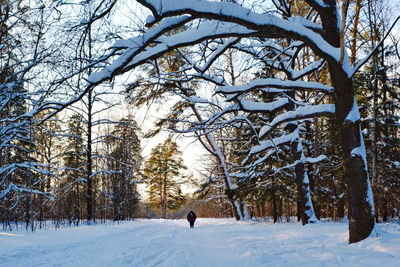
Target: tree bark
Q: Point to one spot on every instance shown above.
(360, 203)
(360, 200)
(305, 209)
(316, 153)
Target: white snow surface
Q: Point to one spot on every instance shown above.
(213, 242)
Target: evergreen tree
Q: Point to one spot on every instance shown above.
(162, 170)
(72, 195)
(49, 152)
(126, 162)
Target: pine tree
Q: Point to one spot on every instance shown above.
(73, 196)
(126, 161)
(49, 153)
(162, 170)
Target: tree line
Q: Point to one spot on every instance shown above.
(296, 103)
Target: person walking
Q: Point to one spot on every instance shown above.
(191, 217)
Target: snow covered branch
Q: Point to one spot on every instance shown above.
(300, 113)
(276, 84)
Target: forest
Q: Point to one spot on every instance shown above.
(296, 104)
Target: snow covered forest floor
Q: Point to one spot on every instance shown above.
(213, 242)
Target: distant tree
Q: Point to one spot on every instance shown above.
(71, 196)
(378, 91)
(49, 152)
(82, 32)
(125, 159)
(25, 84)
(91, 37)
(154, 88)
(162, 171)
(13, 105)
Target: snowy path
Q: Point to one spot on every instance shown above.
(214, 242)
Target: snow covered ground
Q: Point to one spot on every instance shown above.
(213, 242)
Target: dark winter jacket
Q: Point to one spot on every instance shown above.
(191, 217)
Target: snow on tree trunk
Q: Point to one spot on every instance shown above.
(246, 215)
(360, 201)
(216, 152)
(305, 208)
(303, 185)
(361, 205)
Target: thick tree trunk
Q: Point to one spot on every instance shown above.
(361, 206)
(360, 201)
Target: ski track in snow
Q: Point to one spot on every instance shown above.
(213, 242)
